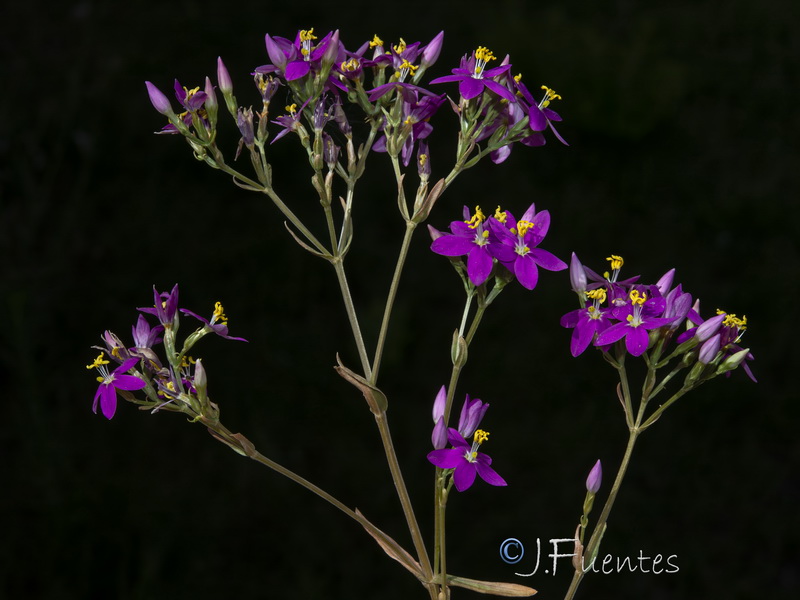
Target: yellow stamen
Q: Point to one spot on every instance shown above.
(549, 95)
(376, 41)
(219, 314)
(616, 261)
(598, 294)
(423, 158)
(484, 54)
(480, 436)
(291, 109)
(500, 215)
(476, 219)
(97, 362)
(637, 298)
(306, 35)
(401, 46)
(523, 227)
(350, 65)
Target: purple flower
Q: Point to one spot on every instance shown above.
(470, 238)
(636, 318)
(473, 77)
(595, 478)
(587, 321)
(466, 461)
(518, 240)
(145, 336)
(295, 60)
(166, 306)
(106, 393)
(218, 323)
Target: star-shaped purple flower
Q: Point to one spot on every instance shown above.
(518, 240)
(636, 318)
(473, 77)
(466, 461)
(471, 238)
(106, 394)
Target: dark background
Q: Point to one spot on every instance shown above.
(683, 125)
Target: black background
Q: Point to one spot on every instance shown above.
(682, 124)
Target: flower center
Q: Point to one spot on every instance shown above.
(477, 439)
(404, 69)
(305, 42)
(597, 296)
(482, 56)
(637, 302)
(100, 364)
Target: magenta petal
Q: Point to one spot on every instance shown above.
(536, 119)
(470, 87)
(547, 260)
(581, 338)
(452, 245)
(446, 459)
(499, 89)
(487, 473)
(464, 476)
(637, 340)
(612, 334)
(297, 69)
(97, 397)
(108, 400)
(128, 382)
(479, 265)
(526, 272)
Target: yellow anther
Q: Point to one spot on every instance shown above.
(476, 219)
(401, 46)
(291, 109)
(376, 41)
(616, 261)
(637, 298)
(518, 77)
(598, 294)
(115, 352)
(500, 215)
(549, 94)
(480, 436)
(97, 362)
(350, 64)
(306, 35)
(423, 158)
(484, 54)
(219, 314)
(523, 227)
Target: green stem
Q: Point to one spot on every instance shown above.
(599, 528)
(402, 493)
(387, 311)
(351, 315)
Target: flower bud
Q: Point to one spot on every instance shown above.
(709, 327)
(275, 53)
(200, 381)
(709, 349)
(665, 283)
(577, 276)
(439, 404)
(458, 350)
(595, 478)
(733, 361)
(223, 78)
(439, 435)
(211, 105)
(431, 52)
(159, 100)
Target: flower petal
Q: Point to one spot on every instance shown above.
(446, 459)
(479, 265)
(108, 400)
(464, 475)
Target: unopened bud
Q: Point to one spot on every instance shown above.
(458, 350)
(595, 478)
(733, 361)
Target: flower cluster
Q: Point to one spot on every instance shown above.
(648, 316)
(500, 240)
(384, 80)
(173, 381)
(463, 458)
